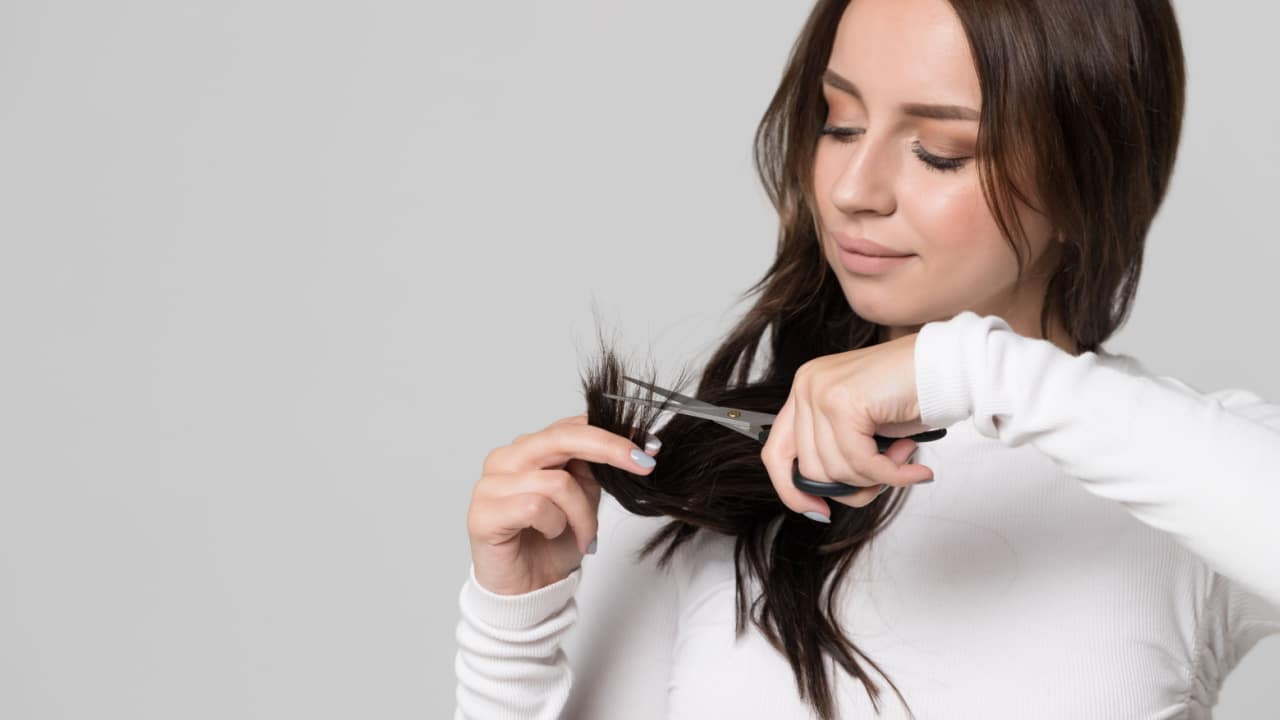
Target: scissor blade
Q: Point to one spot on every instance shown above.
(685, 399)
(751, 417)
(705, 411)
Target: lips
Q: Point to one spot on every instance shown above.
(863, 246)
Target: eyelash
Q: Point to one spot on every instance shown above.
(931, 161)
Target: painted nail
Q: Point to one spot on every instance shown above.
(817, 516)
(652, 443)
(591, 549)
(638, 456)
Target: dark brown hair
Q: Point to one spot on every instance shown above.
(1082, 107)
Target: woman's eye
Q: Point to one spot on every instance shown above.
(937, 162)
(931, 161)
(841, 134)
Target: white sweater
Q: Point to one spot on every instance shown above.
(1100, 543)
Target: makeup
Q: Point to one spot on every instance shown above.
(869, 264)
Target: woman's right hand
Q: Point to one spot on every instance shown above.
(533, 513)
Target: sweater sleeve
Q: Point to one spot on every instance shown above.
(510, 663)
(1203, 468)
(597, 643)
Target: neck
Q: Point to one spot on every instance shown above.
(1023, 318)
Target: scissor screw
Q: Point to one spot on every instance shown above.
(734, 413)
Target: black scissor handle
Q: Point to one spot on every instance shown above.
(826, 489)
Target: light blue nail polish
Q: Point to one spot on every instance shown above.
(638, 456)
(815, 515)
(652, 443)
(591, 549)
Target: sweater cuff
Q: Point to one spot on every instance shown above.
(516, 612)
(942, 381)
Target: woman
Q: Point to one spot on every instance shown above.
(964, 190)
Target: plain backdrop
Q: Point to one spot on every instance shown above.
(276, 275)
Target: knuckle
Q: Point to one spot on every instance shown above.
(491, 460)
(560, 482)
(560, 434)
(810, 470)
(532, 506)
(860, 465)
(834, 398)
(802, 372)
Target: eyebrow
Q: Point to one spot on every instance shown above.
(934, 112)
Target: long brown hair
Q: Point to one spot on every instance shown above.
(1083, 102)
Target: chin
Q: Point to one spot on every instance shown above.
(878, 304)
(875, 315)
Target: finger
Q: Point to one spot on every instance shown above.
(828, 450)
(806, 448)
(562, 488)
(778, 455)
(557, 444)
(834, 454)
(508, 516)
(580, 470)
(652, 444)
(863, 497)
(870, 463)
(901, 449)
(899, 452)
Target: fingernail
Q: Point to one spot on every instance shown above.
(638, 456)
(817, 516)
(591, 549)
(926, 481)
(652, 443)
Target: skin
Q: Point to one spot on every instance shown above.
(533, 511)
(875, 185)
(915, 51)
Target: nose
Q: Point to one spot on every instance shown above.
(866, 184)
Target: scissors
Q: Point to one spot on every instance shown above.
(756, 425)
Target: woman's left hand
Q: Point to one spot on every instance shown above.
(837, 403)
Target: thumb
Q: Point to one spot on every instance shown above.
(900, 450)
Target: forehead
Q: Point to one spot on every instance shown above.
(899, 51)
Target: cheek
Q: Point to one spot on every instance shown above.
(959, 234)
(825, 172)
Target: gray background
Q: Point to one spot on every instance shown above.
(277, 275)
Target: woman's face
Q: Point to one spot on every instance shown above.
(901, 82)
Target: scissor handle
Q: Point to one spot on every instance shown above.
(826, 489)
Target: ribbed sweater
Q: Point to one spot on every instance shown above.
(1100, 542)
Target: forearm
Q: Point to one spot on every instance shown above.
(1177, 459)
